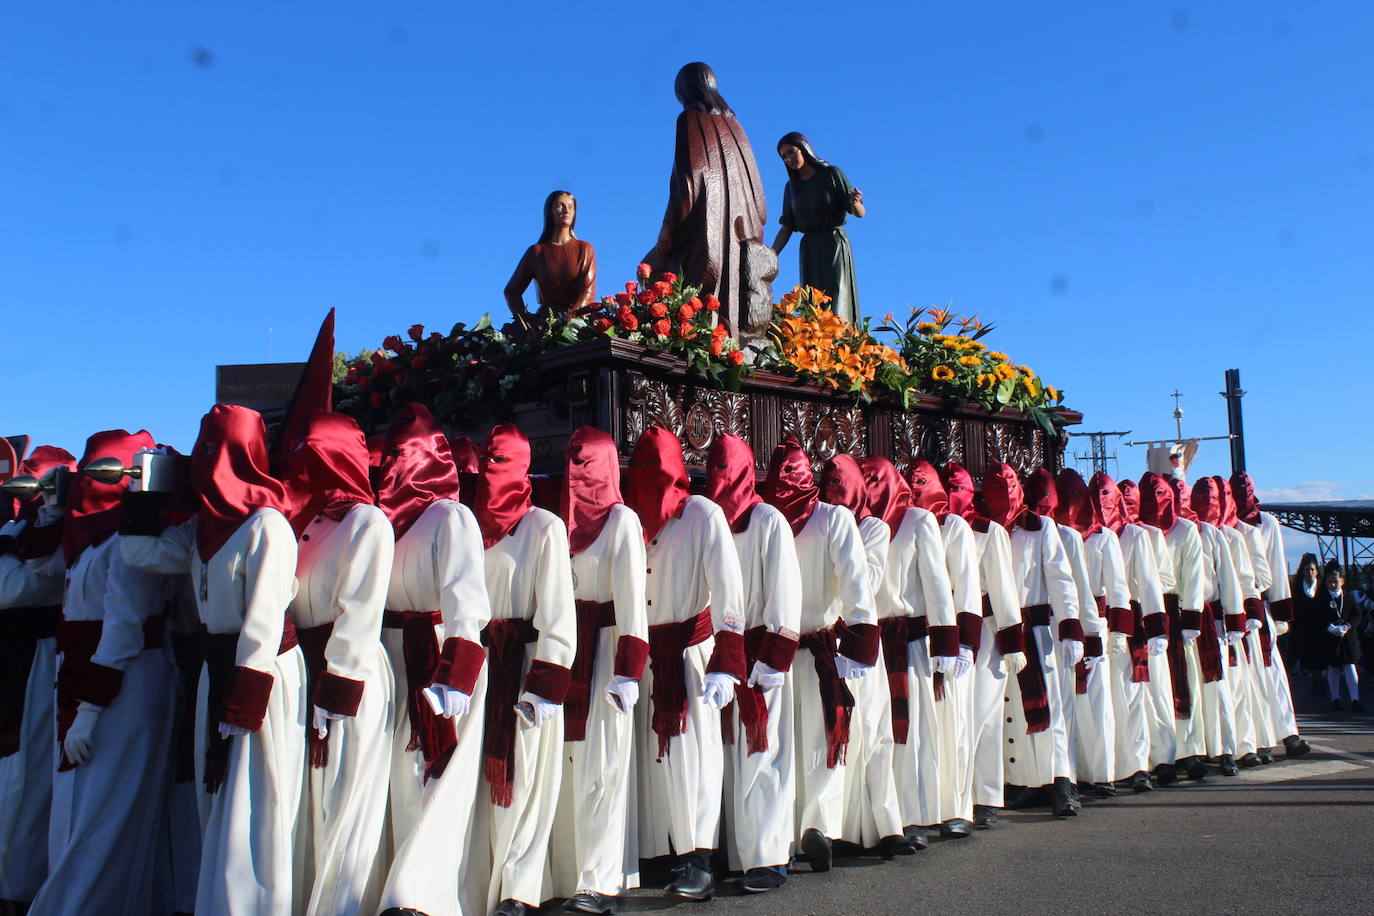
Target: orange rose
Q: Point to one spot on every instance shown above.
(658, 310)
(736, 357)
(712, 303)
(644, 271)
(663, 326)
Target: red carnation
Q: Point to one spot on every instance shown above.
(720, 330)
(375, 400)
(663, 326)
(628, 321)
(712, 303)
(644, 271)
(625, 300)
(736, 357)
(416, 332)
(658, 310)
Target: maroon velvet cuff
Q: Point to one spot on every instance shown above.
(1235, 623)
(1071, 629)
(1282, 609)
(859, 642)
(1011, 639)
(1092, 647)
(547, 680)
(1254, 609)
(460, 661)
(728, 656)
(338, 694)
(1190, 620)
(98, 684)
(1156, 625)
(1121, 620)
(970, 631)
(777, 651)
(246, 705)
(944, 641)
(631, 655)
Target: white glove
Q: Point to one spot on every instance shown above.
(322, 718)
(1280, 627)
(1158, 645)
(1252, 625)
(534, 710)
(1013, 663)
(1071, 651)
(1334, 629)
(48, 514)
(447, 701)
(1120, 644)
(945, 664)
(231, 731)
(718, 690)
(622, 693)
(1190, 636)
(964, 663)
(1092, 661)
(766, 676)
(12, 528)
(78, 743)
(1345, 628)
(1233, 637)
(849, 669)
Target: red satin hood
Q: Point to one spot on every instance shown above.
(591, 487)
(1075, 508)
(465, 456)
(1042, 493)
(730, 479)
(1003, 499)
(1182, 506)
(40, 461)
(790, 487)
(1130, 501)
(327, 470)
(888, 494)
(958, 483)
(927, 490)
(229, 470)
(1247, 503)
(842, 484)
(1227, 500)
(1107, 501)
(503, 483)
(93, 512)
(657, 483)
(1157, 502)
(415, 468)
(1205, 501)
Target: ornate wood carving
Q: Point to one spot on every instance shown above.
(936, 439)
(1020, 445)
(695, 415)
(825, 430)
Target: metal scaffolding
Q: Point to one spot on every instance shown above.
(1344, 529)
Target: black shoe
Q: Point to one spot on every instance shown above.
(1336, 706)
(1063, 801)
(1247, 761)
(1265, 755)
(817, 848)
(984, 816)
(1296, 746)
(1195, 768)
(890, 847)
(1097, 789)
(1355, 706)
(759, 880)
(916, 836)
(1140, 782)
(1227, 764)
(1165, 774)
(955, 828)
(590, 902)
(510, 907)
(693, 882)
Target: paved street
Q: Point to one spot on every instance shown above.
(1295, 836)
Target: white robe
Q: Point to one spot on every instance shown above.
(590, 848)
(1217, 707)
(248, 859)
(1133, 701)
(1254, 722)
(1092, 731)
(438, 565)
(693, 566)
(1280, 693)
(991, 703)
(343, 571)
(1159, 692)
(954, 714)
(26, 775)
(107, 814)
(1190, 585)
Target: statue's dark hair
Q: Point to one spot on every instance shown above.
(800, 142)
(696, 88)
(549, 226)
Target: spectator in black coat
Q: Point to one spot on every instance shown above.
(1309, 623)
(1342, 619)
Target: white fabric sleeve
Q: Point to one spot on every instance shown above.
(1144, 574)
(999, 581)
(723, 576)
(1114, 581)
(1279, 587)
(1189, 575)
(876, 537)
(961, 563)
(555, 615)
(20, 583)
(1259, 556)
(1228, 585)
(131, 597)
(1060, 586)
(937, 595)
(782, 575)
(628, 580)
(850, 561)
(360, 596)
(168, 553)
(269, 584)
(460, 568)
(1075, 552)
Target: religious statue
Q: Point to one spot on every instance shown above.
(816, 203)
(715, 200)
(561, 266)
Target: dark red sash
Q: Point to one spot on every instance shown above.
(836, 700)
(897, 633)
(592, 617)
(1178, 660)
(1035, 701)
(20, 630)
(77, 641)
(1139, 643)
(750, 701)
(505, 639)
(433, 735)
(667, 643)
(1209, 644)
(1092, 648)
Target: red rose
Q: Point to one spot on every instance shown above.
(393, 343)
(435, 337)
(669, 277)
(417, 363)
(375, 400)
(646, 297)
(602, 324)
(658, 310)
(662, 289)
(644, 271)
(720, 330)
(416, 332)
(663, 326)
(625, 312)
(628, 321)
(685, 329)
(624, 300)
(631, 288)
(695, 303)
(712, 303)
(686, 312)
(717, 345)
(736, 357)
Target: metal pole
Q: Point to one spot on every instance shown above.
(1234, 423)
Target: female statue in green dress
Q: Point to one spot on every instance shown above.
(816, 203)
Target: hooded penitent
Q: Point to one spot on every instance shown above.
(888, 494)
(730, 480)
(1157, 509)
(229, 470)
(591, 486)
(1205, 501)
(790, 487)
(1042, 493)
(1107, 503)
(1157, 502)
(1002, 496)
(503, 484)
(927, 490)
(93, 507)
(1229, 516)
(415, 468)
(656, 486)
(1075, 506)
(842, 484)
(327, 469)
(959, 490)
(1182, 508)
(1130, 501)
(1247, 503)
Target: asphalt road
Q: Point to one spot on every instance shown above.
(1294, 836)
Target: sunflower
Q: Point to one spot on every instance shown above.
(977, 346)
(942, 373)
(927, 327)
(1032, 388)
(969, 361)
(997, 357)
(1004, 371)
(1028, 372)
(986, 380)
(1051, 392)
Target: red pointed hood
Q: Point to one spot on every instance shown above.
(591, 486)
(1075, 508)
(842, 484)
(1205, 501)
(1042, 493)
(657, 483)
(927, 490)
(959, 490)
(314, 392)
(1182, 506)
(790, 487)
(229, 470)
(1247, 503)
(415, 468)
(888, 494)
(326, 472)
(1157, 502)
(503, 483)
(1229, 516)
(93, 512)
(730, 479)
(1130, 501)
(1003, 499)
(1107, 501)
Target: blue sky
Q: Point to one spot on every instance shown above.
(1140, 195)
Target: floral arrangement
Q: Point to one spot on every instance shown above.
(959, 365)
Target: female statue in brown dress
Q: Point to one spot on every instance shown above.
(715, 196)
(562, 267)
(816, 203)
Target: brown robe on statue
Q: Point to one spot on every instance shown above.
(715, 180)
